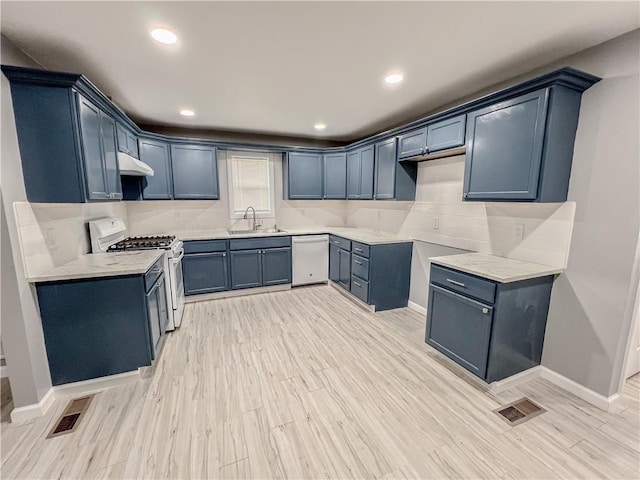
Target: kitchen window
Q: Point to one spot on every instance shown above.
(251, 183)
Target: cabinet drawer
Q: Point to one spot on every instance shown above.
(360, 266)
(261, 242)
(205, 246)
(463, 283)
(360, 288)
(153, 273)
(460, 328)
(340, 242)
(360, 249)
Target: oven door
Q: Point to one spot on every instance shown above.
(177, 288)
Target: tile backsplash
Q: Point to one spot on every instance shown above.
(52, 234)
(440, 216)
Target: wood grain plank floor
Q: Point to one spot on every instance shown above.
(305, 384)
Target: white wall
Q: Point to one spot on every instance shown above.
(21, 328)
(591, 310)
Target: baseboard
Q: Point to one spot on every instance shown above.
(352, 297)
(204, 297)
(417, 308)
(580, 391)
(20, 414)
(516, 380)
(84, 387)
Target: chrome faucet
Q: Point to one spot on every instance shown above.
(246, 212)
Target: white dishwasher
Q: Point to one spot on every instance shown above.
(310, 259)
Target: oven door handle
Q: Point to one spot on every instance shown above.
(177, 260)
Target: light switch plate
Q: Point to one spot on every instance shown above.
(519, 230)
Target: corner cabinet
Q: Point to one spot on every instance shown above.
(302, 175)
(55, 122)
(521, 149)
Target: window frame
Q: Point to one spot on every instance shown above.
(271, 157)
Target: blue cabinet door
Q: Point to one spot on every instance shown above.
(154, 317)
(344, 268)
(205, 273)
(412, 144)
(156, 155)
(246, 268)
(123, 145)
(304, 176)
(132, 145)
(334, 263)
(276, 266)
(110, 156)
(460, 328)
(367, 172)
(446, 134)
(353, 175)
(195, 172)
(385, 168)
(91, 135)
(335, 176)
(504, 149)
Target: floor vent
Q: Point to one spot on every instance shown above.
(519, 411)
(71, 417)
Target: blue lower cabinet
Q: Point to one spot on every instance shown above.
(492, 329)
(334, 262)
(461, 328)
(276, 266)
(205, 272)
(344, 268)
(246, 269)
(89, 335)
(360, 288)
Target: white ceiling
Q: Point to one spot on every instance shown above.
(279, 68)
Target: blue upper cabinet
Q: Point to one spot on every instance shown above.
(98, 140)
(412, 144)
(360, 173)
(335, 176)
(385, 167)
(127, 141)
(195, 172)
(521, 149)
(303, 179)
(393, 180)
(446, 134)
(156, 155)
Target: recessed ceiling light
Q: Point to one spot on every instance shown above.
(163, 35)
(394, 78)
(320, 126)
(187, 113)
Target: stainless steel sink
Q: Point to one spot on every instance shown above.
(255, 232)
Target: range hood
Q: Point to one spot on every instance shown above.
(132, 166)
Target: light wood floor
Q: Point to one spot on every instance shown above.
(304, 384)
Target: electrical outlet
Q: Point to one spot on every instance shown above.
(436, 223)
(519, 230)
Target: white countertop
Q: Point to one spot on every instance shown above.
(500, 269)
(95, 265)
(358, 234)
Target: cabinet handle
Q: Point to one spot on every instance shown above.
(357, 262)
(357, 284)
(224, 254)
(460, 284)
(485, 310)
(357, 249)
